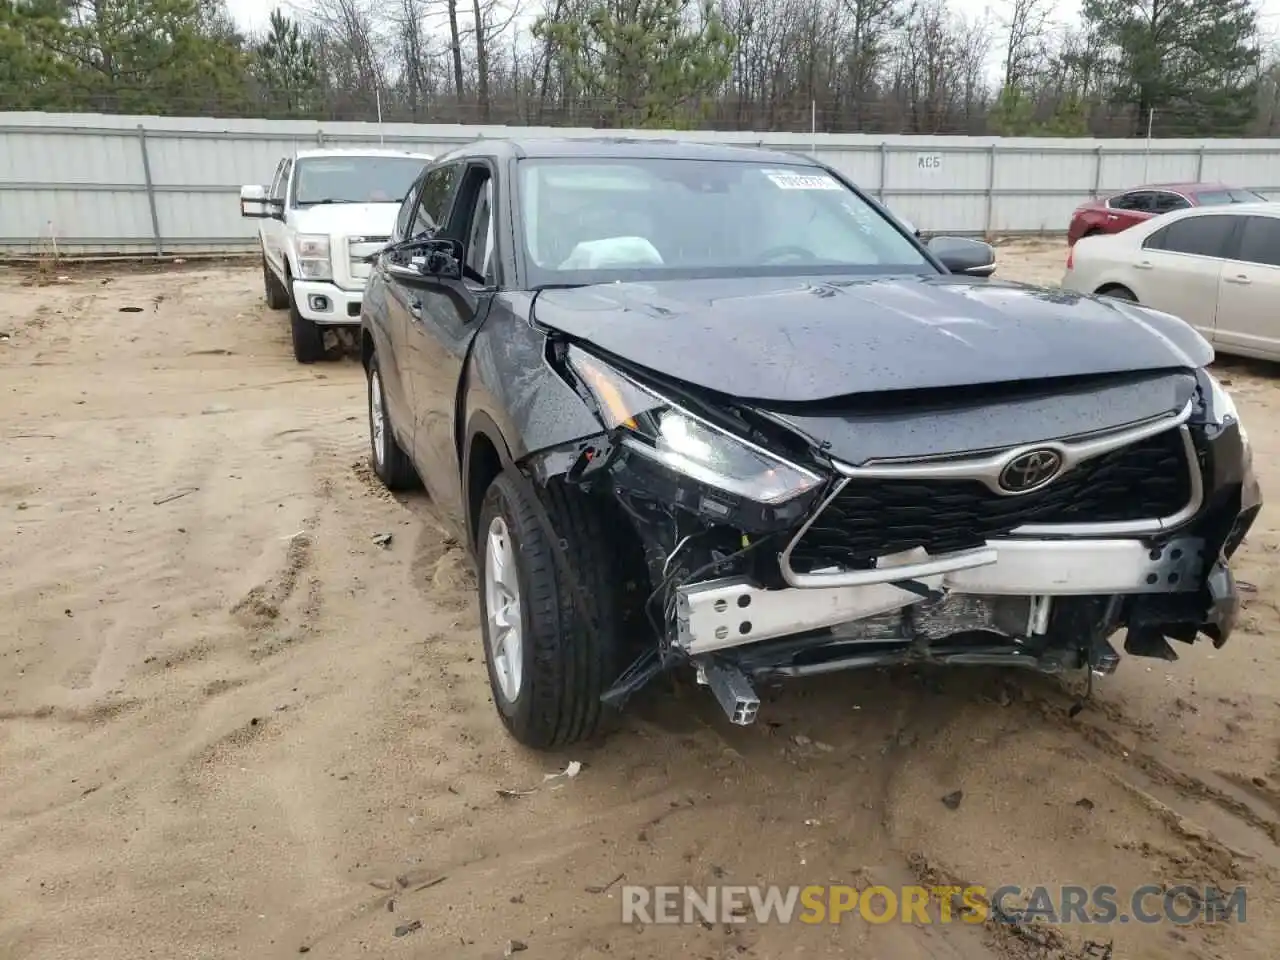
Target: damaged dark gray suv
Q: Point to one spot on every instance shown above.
(707, 407)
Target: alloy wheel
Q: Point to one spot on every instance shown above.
(502, 610)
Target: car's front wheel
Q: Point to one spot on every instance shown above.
(551, 650)
(308, 338)
(275, 292)
(390, 463)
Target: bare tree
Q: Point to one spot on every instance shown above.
(1025, 47)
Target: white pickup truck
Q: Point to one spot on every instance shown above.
(322, 214)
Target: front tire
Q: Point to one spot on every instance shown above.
(277, 296)
(308, 339)
(549, 659)
(389, 461)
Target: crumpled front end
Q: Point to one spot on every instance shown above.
(776, 546)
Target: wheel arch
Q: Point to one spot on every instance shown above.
(485, 455)
(1110, 286)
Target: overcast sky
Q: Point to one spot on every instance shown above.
(252, 14)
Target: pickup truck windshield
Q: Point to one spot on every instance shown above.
(656, 218)
(353, 179)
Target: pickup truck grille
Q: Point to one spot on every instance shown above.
(869, 518)
(357, 249)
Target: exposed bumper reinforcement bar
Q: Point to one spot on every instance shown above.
(721, 614)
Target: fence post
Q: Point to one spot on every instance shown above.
(1200, 164)
(319, 137)
(884, 169)
(1097, 171)
(991, 187)
(151, 190)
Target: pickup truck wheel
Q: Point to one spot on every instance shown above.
(277, 296)
(549, 659)
(308, 340)
(391, 464)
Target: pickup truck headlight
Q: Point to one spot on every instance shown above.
(657, 428)
(314, 262)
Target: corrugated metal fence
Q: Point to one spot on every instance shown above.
(87, 183)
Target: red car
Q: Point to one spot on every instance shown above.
(1122, 210)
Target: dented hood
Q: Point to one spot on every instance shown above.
(797, 340)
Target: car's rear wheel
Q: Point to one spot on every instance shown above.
(551, 650)
(308, 339)
(276, 294)
(1117, 291)
(389, 461)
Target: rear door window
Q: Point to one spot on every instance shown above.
(274, 189)
(1168, 202)
(1200, 236)
(282, 184)
(1140, 200)
(1215, 197)
(1260, 241)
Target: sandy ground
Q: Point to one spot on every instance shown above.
(233, 725)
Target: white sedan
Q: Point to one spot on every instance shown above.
(1218, 268)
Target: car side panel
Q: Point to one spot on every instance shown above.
(275, 232)
(384, 325)
(510, 381)
(1118, 220)
(1247, 295)
(1182, 284)
(1091, 216)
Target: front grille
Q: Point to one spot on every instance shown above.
(869, 518)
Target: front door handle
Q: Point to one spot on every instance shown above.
(1113, 216)
(1239, 278)
(1142, 265)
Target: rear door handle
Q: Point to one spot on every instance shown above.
(1239, 278)
(1113, 216)
(1143, 265)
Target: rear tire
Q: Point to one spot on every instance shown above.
(389, 461)
(277, 296)
(1117, 291)
(308, 339)
(547, 684)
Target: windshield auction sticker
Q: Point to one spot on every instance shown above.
(798, 181)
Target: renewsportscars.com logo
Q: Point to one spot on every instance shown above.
(1149, 904)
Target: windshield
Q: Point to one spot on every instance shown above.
(1213, 197)
(592, 220)
(354, 179)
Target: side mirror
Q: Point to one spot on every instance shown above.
(970, 258)
(255, 203)
(426, 259)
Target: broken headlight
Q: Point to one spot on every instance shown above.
(1223, 406)
(657, 428)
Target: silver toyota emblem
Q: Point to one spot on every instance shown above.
(1030, 470)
